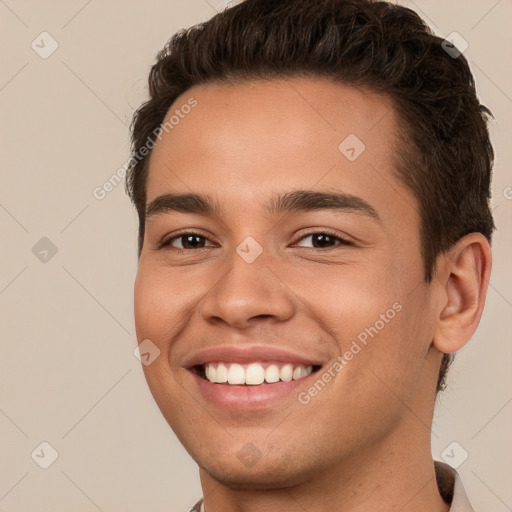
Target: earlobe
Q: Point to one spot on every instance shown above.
(464, 279)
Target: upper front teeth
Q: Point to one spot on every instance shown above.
(254, 373)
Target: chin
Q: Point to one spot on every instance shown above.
(263, 475)
(250, 480)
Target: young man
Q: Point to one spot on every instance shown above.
(312, 183)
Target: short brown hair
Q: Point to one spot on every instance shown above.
(445, 155)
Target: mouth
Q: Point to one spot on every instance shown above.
(251, 377)
(255, 373)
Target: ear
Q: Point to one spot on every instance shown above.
(463, 277)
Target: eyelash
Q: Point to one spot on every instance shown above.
(343, 241)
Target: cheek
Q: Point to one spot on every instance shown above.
(394, 350)
(157, 302)
(374, 321)
(146, 315)
(346, 299)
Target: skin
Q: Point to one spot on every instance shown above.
(364, 440)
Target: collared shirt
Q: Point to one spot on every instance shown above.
(448, 481)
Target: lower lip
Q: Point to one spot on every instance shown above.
(234, 397)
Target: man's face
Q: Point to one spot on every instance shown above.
(338, 289)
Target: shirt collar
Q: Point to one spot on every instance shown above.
(451, 488)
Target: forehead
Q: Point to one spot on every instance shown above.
(241, 142)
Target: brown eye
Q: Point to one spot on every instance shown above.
(186, 241)
(323, 240)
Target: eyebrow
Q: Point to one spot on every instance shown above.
(297, 201)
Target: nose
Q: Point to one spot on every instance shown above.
(246, 292)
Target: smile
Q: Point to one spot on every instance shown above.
(249, 377)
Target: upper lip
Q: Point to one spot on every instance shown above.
(248, 354)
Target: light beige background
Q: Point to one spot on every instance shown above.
(67, 369)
